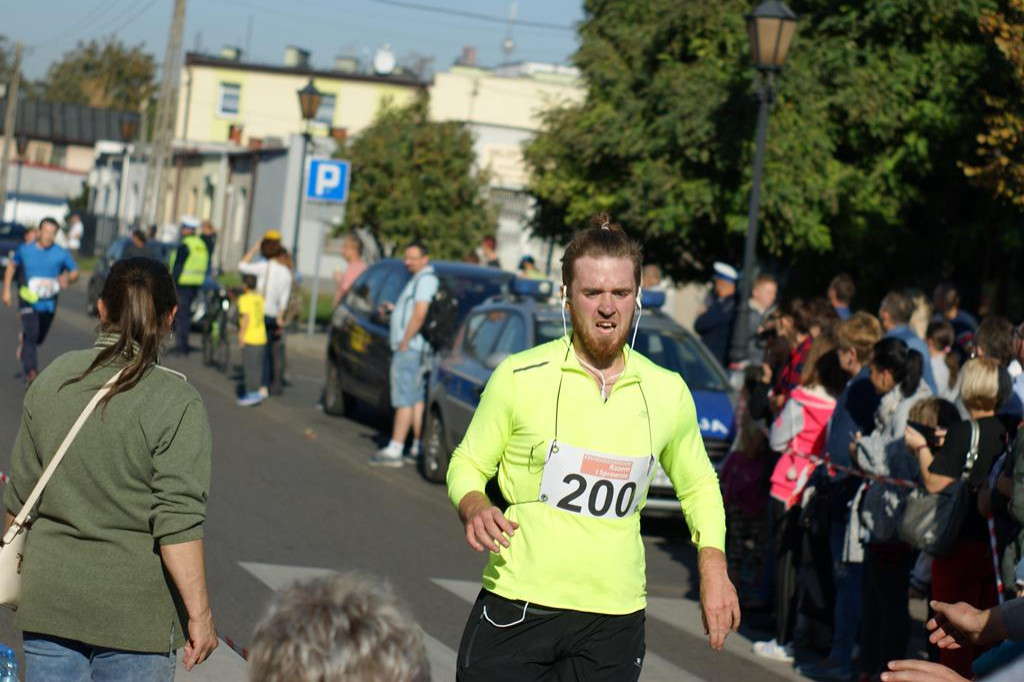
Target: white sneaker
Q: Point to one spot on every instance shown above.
(387, 457)
(773, 650)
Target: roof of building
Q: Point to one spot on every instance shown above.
(196, 59)
(67, 123)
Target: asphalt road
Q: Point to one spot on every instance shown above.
(293, 496)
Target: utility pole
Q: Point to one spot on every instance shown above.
(160, 150)
(9, 120)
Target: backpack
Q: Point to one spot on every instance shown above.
(442, 318)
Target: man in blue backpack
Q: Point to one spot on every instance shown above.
(410, 353)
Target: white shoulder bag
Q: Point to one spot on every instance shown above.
(13, 548)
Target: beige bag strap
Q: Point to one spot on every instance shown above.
(23, 515)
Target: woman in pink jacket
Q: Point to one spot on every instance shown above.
(799, 434)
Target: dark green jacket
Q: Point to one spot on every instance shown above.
(136, 477)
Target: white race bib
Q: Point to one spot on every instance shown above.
(594, 484)
(44, 287)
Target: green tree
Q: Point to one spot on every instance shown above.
(415, 179)
(877, 104)
(105, 74)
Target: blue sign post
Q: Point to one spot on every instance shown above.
(328, 180)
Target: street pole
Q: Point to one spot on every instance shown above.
(10, 116)
(311, 323)
(299, 201)
(17, 192)
(741, 332)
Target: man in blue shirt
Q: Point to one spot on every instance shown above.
(894, 312)
(410, 353)
(47, 269)
(840, 294)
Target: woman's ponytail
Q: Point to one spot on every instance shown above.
(138, 298)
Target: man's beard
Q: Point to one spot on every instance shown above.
(601, 350)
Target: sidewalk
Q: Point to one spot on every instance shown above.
(314, 347)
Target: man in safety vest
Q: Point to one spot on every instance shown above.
(574, 429)
(188, 268)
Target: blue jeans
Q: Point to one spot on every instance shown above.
(849, 586)
(53, 659)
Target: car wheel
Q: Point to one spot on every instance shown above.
(436, 453)
(336, 401)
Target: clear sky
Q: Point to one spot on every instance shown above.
(327, 28)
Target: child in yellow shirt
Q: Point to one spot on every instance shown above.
(252, 339)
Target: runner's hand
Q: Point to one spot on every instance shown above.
(719, 604)
(919, 671)
(487, 527)
(202, 640)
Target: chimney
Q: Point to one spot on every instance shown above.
(468, 56)
(346, 64)
(296, 57)
(231, 52)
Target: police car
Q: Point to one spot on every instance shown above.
(525, 317)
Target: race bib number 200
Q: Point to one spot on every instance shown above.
(594, 484)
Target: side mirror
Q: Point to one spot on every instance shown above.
(492, 361)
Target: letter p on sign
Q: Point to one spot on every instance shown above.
(328, 180)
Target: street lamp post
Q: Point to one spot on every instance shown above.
(309, 102)
(21, 142)
(771, 26)
(129, 126)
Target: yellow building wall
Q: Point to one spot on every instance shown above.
(269, 103)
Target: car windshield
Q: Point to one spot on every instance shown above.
(471, 291)
(11, 230)
(673, 350)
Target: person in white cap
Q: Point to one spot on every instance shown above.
(715, 323)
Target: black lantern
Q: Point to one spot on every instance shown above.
(129, 126)
(771, 27)
(309, 100)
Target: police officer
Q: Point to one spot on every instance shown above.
(574, 430)
(189, 264)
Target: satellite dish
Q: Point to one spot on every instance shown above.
(384, 61)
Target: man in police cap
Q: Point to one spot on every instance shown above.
(715, 323)
(188, 268)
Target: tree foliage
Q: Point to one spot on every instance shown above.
(415, 179)
(999, 165)
(878, 103)
(105, 74)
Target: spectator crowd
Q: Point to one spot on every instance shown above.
(849, 423)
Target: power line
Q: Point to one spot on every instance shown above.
(473, 15)
(130, 20)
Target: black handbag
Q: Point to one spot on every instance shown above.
(932, 521)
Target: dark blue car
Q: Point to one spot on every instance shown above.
(508, 324)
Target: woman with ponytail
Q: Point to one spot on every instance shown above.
(113, 575)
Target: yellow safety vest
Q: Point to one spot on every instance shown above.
(193, 273)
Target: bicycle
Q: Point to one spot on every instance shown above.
(215, 326)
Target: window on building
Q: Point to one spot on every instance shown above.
(230, 97)
(325, 114)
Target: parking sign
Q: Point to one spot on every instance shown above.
(327, 180)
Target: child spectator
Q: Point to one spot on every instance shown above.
(799, 434)
(252, 339)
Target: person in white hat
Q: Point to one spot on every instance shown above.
(715, 324)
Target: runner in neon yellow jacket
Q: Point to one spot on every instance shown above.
(572, 430)
(553, 558)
